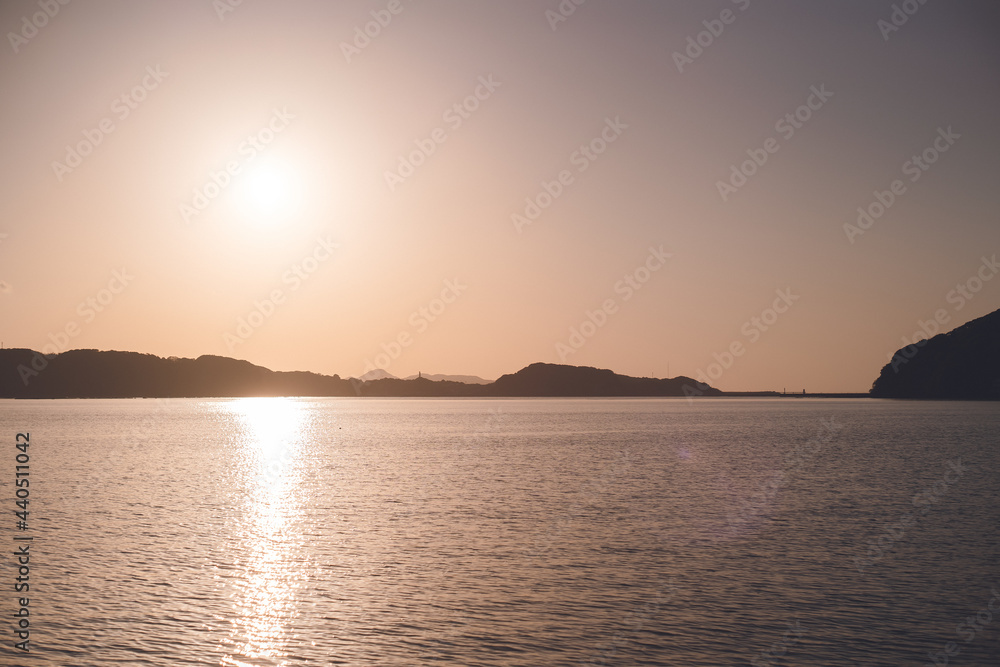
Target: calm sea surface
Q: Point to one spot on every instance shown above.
(506, 532)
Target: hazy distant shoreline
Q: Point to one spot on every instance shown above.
(962, 364)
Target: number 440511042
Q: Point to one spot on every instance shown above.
(21, 481)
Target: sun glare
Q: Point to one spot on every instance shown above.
(264, 594)
(270, 192)
(273, 423)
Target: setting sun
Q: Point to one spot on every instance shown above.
(269, 191)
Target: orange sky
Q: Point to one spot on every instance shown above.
(469, 187)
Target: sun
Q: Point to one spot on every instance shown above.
(269, 191)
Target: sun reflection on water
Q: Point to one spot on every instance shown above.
(267, 572)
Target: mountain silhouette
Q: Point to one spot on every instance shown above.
(377, 374)
(559, 380)
(961, 364)
(96, 374)
(112, 374)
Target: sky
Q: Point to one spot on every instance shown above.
(762, 195)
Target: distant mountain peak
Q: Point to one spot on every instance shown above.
(377, 374)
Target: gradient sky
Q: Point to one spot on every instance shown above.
(338, 119)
